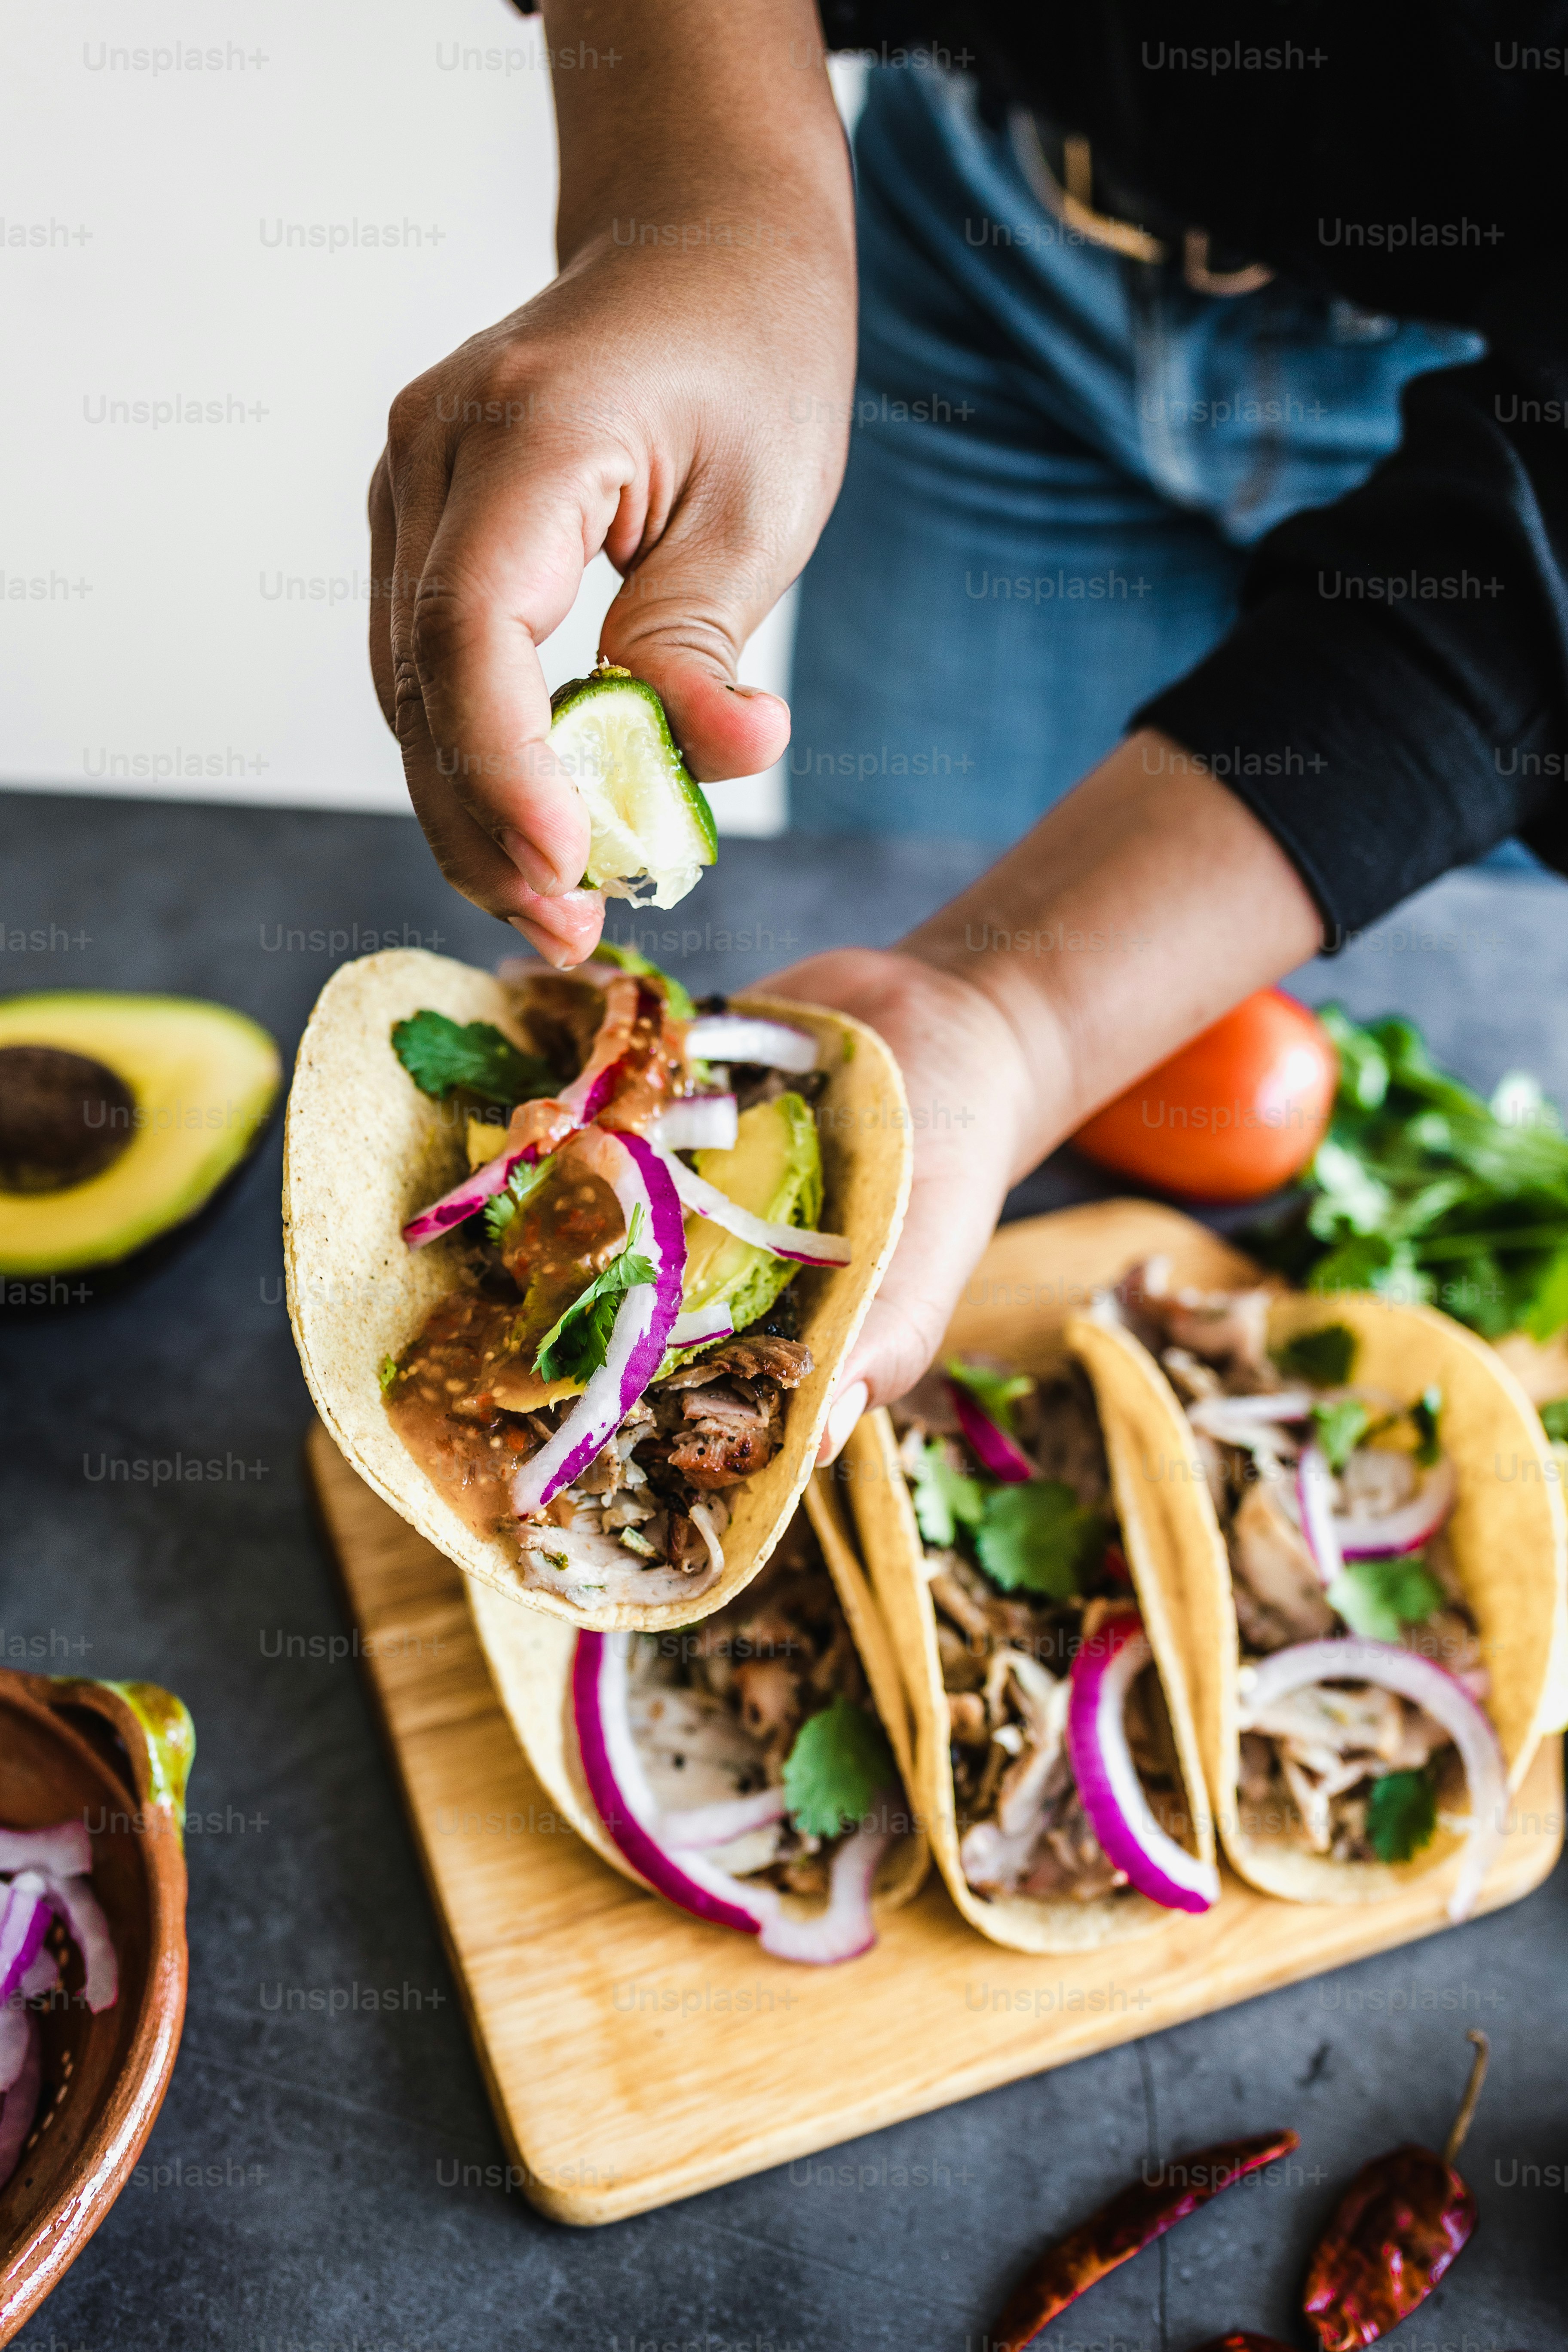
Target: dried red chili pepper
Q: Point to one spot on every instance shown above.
(1244, 2339)
(1394, 2232)
(1134, 2217)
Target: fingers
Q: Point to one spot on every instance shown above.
(681, 622)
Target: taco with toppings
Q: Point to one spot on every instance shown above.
(1055, 1755)
(572, 1264)
(1366, 1565)
(745, 1768)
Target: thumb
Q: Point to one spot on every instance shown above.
(680, 622)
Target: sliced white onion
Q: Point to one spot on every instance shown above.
(701, 1518)
(716, 1825)
(1315, 1509)
(64, 1849)
(703, 1323)
(638, 1177)
(793, 1241)
(1216, 1415)
(1103, 1672)
(625, 1804)
(734, 1037)
(1432, 1688)
(698, 1123)
(1414, 1523)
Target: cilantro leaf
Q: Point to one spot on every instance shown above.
(995, 1392)
(1378, 1598)
(1401, 1815)
(1554, 1420)
(386, 1373)
(576, 1346)
(632, 959)
(1425, 1413)
(1037, 1537)
(945, 1497)
(521, 1185)
(839, 1767)
(1340, 1426)
(1325, 1356)
(441, 1055)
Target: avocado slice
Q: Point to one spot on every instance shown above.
(119, 1117)
(776, 1170)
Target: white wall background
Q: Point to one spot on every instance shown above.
(142, 648)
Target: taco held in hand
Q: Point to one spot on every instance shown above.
(1055, 1752)
(595, 1368)
(737, 1766)
(1367, 1523)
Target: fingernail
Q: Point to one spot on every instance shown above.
(846, 1411)
(756, 694)
(536, 870)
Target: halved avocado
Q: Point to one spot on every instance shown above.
(776, 1170)
(120, 1118)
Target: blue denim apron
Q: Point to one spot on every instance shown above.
(1060, 457)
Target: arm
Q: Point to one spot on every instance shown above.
(1137, 911)
(679, 397)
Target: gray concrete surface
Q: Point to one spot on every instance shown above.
(323, 2141)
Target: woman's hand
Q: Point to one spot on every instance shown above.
(679, 397)
(966, 1081)
(1139, 909)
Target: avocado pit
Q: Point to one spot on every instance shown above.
(64, 1118)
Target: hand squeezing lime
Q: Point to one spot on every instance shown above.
(652, 827)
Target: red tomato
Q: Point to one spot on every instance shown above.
(1235, 1115)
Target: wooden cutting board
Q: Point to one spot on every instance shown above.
(634, 2055)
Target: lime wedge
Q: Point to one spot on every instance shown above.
(652, 827)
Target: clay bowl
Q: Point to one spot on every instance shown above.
(114, 1755)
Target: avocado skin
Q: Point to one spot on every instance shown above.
(202, 1080)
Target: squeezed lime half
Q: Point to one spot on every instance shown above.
(652, 828)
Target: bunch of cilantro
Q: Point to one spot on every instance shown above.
(1423, 1191)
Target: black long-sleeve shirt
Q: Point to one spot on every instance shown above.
(1393, 698)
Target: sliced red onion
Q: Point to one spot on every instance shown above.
(995, 1452)
(1433, 1688)
(716, 1825)
(702, 1324)
(1284, 1404)
(735, 1037)
(1407, 1528)
(65, 1848)
(21, 2102)
(639, 1177)
(43, 1976)
(1315, 1509)
(624, 1803)
(465, 1200)
(1102, 1673)
(79, 1907)
(793, 1241)
(698, 1123)
(23, 1924)
(588, 1091)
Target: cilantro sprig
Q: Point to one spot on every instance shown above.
(1038, 1538)
(445, 1057)
(945, 1499)
(576, 1346)
(1401, 1815)
(525, 1180)
(1423, 1191)
(839, 1765)
(1325, 1356)
(995, 1392)
(1378, 1598)
(1340, 1427)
